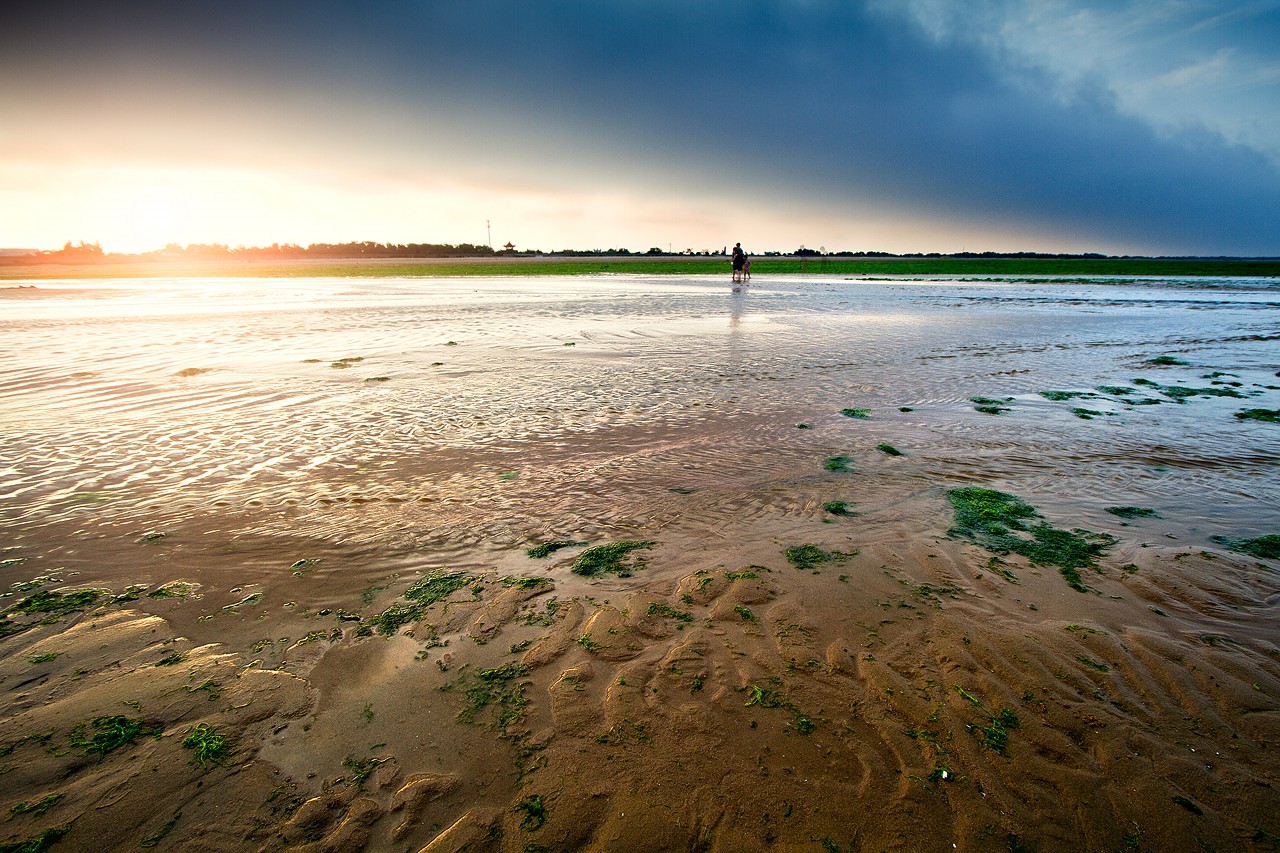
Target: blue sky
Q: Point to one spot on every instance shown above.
(895, 125)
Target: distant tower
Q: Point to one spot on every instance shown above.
(510, 247)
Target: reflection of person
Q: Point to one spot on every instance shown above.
(739, 259)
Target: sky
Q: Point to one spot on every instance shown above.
(1139, 127)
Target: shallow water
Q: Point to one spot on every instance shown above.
(148, 401)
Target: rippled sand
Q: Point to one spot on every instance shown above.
(301, 452)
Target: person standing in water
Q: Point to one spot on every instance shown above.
(739, 261)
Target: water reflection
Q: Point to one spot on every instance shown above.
(128, 398)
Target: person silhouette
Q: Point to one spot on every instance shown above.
(739, 260)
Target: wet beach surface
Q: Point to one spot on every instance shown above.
(298, 512)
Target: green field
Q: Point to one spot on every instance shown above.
(820, 266)
(762, 267)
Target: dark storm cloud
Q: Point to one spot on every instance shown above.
(814, 99)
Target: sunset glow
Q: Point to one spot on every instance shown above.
(894, 127)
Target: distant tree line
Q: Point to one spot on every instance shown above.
(89, 252)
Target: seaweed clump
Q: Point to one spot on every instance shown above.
(990, 406)
(434, 587)
(111, 733)
(1132, 512)
(503, 688)
(606, 559)
(1271, 416)
(1000, 522)
(810, 556)
(546, 549)
(1263, 547)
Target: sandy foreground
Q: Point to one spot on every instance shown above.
(270, 588)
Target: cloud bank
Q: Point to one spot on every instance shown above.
(746, 115)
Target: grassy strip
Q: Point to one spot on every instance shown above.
(520, 267)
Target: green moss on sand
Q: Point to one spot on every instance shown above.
(999, 522)
(207, 746)
(811, 556)
(105, 734)
(57, 603)
(608, 559)
(1271, 416)
(437, 586)
(546, 549)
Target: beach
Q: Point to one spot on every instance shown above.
(633, 562)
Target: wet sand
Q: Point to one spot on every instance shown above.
(298, 512)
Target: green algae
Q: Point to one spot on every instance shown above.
(106, 734)
(362, 769)
(1271, 416)
(526, 583)
(534, 811)
(990, 405)
(36, 807)
(810, 556)
(889, 449)
(1062, 396)
(546, 549)
(839, 464)
(1181, 393)
(1132, 512)
(173, 589)
(840, 508)
(656, 609)
(434, 587)
(856, 413)
(1263, 547)
(38, 843)
(999, 522)
(502, 688)
(57, 603)
(608, 559)
(206, 745)
(438, 586)
(1167, 360)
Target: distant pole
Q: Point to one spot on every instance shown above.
(488, 233)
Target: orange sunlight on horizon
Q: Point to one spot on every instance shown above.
(135, 207)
